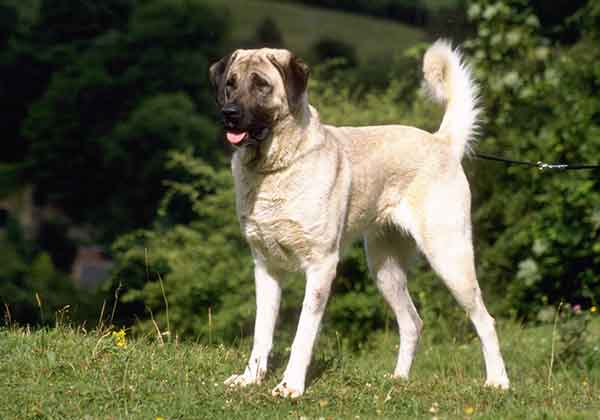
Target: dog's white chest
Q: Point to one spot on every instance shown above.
(273, 229)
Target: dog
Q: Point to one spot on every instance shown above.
(305, 190)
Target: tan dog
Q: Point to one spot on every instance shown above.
(305, 190)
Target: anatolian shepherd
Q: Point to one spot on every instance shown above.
(305, 190)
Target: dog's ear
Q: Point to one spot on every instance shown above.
(294, 73)
(216, 75)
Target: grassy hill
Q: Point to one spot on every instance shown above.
(72, 374)
(302, 26)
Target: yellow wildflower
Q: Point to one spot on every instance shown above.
(120, 338)
(593, 309)
(469, 410)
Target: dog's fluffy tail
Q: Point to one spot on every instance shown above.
(450, 82)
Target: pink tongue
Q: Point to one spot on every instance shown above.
(235, 138)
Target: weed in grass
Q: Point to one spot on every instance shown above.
(576, 346)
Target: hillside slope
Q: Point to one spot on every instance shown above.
(302, 26)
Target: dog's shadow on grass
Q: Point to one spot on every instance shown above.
(318, 365)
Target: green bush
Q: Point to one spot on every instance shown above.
(327, 48)
(538, 231)
(115, 103)
(32, 290)
(194, 260)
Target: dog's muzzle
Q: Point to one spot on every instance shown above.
(235, 130)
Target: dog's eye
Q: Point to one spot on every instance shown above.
(230, 86)
(261, 84)
(231, 82)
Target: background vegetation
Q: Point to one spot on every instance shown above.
(110, 120)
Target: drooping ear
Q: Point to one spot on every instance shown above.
(216, 75)
(294, 73)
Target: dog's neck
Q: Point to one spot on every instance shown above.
(290, 139)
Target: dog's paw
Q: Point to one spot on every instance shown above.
(287, 390)
(245, 379)
(401, 374)
(500, 383)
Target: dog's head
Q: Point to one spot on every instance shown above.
(256, 89)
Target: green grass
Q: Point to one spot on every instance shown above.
(302, 26)
(67, 374)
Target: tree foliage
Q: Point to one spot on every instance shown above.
(109, 114)
(32, 288)
(539, 231)
(124, 94)
(95, 95)
(194, 259)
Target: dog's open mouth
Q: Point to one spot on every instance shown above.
(237, 138)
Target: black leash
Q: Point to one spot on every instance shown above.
(540, 165)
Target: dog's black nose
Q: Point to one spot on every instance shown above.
(232, 113)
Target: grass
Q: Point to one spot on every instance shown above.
(65, 373)
(301, 26)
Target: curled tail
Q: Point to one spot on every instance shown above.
(450, 82)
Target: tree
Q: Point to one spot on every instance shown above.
(113, 110)
(268, 34)
(538, 231)
(95, 95)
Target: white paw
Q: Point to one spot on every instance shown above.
(245, 379)
(400, 375)
(287, 390)
(500, 383)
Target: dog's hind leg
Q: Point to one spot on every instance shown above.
(451, 256)
(388, 254)
(444, 236)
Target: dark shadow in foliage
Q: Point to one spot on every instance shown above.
(447, 20)
(3, 217)
(553, 15)
(268, 34)
(72, 20)
(9, 19)
(24, 74)
(412, 12)
(328, 48)
(54, 240)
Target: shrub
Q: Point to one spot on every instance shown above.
(326, 49)
(32, 289)
(538, 232)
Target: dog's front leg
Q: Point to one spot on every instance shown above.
(318, 287)
(268, 296)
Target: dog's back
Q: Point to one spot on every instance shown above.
(395, 166)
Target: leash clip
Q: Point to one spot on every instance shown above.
(541, 165)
